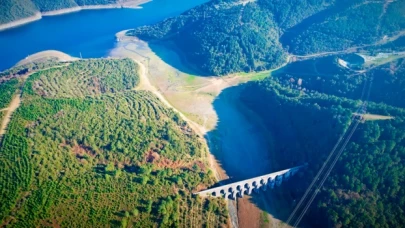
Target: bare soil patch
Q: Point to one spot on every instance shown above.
(248, 214)
(162, 162)
(377, 117)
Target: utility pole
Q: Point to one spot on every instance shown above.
(81, 55)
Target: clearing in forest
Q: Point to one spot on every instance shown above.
(376, 117)
(367, 117)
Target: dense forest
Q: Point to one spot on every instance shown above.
(326, 76)
(7, 90)
(85, 78)
(349, 25)
(12, 10)
(394, 46)
(225, 36)
(22, 69)
(116, 157)
(364, 189)
(48, 5)
(221, 37)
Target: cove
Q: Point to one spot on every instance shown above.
(239, 142)
(88, 32)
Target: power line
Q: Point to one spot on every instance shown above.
(361, 109)
(327, 174)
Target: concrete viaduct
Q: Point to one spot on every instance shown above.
(238, 189)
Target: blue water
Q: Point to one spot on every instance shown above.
(89, 32)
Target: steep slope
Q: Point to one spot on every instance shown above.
(12, 10)
(7, 91)
(306, 119)
(324, 75)
(222, 37)
(48, 5)
(289, 13)
(96, 2)
(358, 25)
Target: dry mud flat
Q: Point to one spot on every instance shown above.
(191, 94)
(194, 96)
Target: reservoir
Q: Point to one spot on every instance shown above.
(90, 33)
(239, 141)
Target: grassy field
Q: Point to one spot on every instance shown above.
(381, 59)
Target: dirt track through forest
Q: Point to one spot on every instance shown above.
(14, 104)
(146, 85)
(16, 101)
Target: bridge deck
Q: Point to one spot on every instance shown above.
(240, 187)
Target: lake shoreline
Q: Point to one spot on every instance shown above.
(16, 23)
(135, 4)
(48, 54)
(204, 100)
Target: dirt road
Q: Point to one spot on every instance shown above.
(351, 49)
(16, 101)
(14, 104)
(146, 85)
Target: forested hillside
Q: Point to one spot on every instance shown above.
(353, 25)
(48, 5)
(7, 90)
(90, 77)
(12, 10)
(326, 76)
(305, 120)
(225, 36)
(84, 149)
(221, 37)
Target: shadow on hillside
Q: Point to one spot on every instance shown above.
(305, 24)
(242, 146)
(240, 141)
(171, 55)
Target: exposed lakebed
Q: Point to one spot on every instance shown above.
(238, 141)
